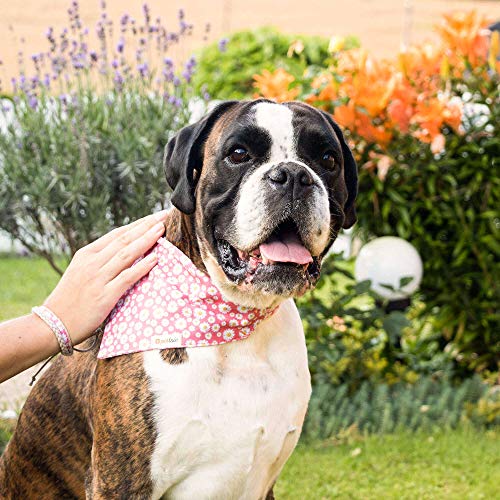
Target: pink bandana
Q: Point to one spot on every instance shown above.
(175, 305)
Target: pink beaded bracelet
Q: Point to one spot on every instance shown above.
(57, 326)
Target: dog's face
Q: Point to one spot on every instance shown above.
(270, 185)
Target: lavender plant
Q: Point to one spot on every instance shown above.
(83, 131)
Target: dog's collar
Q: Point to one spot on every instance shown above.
(175, 305)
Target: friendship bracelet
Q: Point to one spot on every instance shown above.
(57, 326)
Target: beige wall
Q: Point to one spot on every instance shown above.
(378, 23)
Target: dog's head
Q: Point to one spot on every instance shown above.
(269, 186)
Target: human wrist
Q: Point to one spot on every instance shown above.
(57, 326)
(42, 331)
(72, 323)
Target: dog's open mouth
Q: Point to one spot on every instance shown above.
(283, 249)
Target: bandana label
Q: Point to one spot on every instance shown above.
(175, 305)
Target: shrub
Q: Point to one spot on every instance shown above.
(226, 68)
(350, 339)
(380, 408)
(82, 146)
(425, 129)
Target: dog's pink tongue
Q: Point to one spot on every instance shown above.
(286, 248)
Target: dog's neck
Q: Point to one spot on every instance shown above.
(179, 230)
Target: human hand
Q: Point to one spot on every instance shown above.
(100, 273)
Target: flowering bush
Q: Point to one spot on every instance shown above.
(425, 128)
(377, 100)
(82, 135)
(226, 68)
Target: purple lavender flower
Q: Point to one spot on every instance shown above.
(100, 30)
(121, 45)
(143, 69)
(77, 63)
(169, 63)
(33, 102)
(35, 81)
(118, 79)
(93, 55)
(223, 44)
(168, 75)
(176, 81)
(114, 64)
(147, 15)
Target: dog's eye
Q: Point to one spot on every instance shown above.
(239, 155)
(328, 160)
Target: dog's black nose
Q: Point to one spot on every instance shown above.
(291, 177)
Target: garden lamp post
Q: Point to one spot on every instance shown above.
(394, 268)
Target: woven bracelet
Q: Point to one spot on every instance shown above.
(57, 326)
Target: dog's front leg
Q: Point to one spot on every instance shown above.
(123, 431)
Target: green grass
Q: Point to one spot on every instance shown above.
(461, 464)
(24, 283)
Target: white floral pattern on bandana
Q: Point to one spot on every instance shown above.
(175, 305)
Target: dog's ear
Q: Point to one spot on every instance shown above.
(184, 154)
(350, 175)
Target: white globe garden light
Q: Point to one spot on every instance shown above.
(386, 261)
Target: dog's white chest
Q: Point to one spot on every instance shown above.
(228, 419)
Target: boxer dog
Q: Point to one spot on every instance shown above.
(256, 186)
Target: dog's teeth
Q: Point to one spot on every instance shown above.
(265, 260)
(242, 255)
(254, 262)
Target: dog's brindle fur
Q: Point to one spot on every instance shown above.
(88, 427)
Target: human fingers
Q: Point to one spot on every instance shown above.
(121, 283)
(127, 255)
(104, 241)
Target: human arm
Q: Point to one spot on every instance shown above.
(95, 279)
